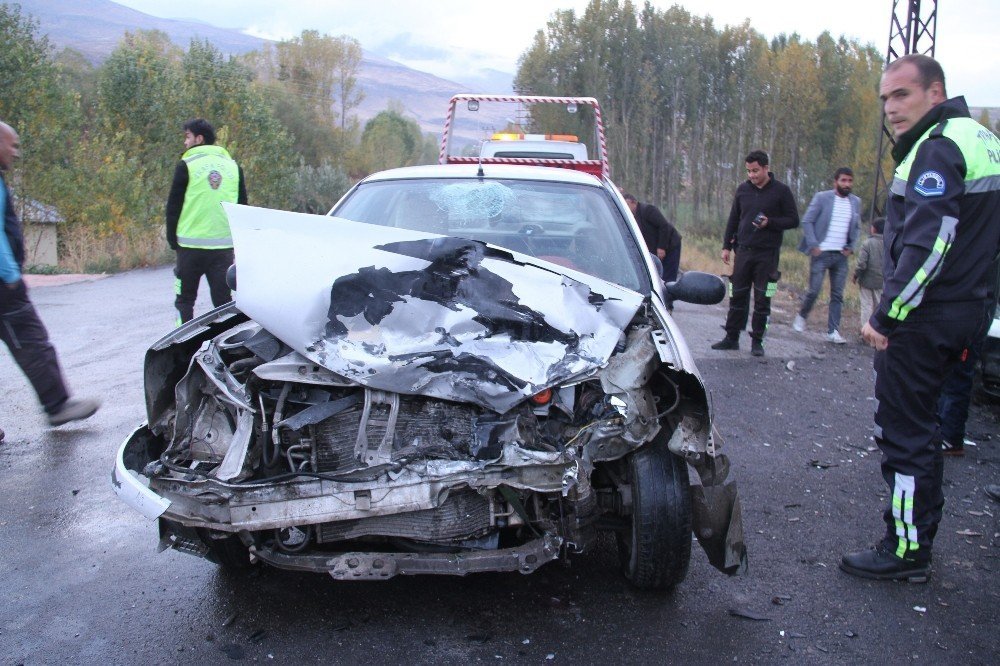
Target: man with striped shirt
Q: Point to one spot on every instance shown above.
(829, 231)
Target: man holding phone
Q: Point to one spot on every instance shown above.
(763, 209)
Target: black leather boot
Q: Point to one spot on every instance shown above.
(879, 563)
(727, 343)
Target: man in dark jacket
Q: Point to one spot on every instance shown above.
(20, 328)
(942, 233)
(662, 239)
(763, 209)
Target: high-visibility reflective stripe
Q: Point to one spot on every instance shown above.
(177, 286)
(913, 293)
(902, 512)
(898, 187)
(730, 290)
(218, 243)
(980, 185)
(772, 289)
(192, 158)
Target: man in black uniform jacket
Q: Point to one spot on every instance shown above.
(763, 209)
(942, 233)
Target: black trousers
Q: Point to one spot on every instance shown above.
(909, 375)
(25, 335)
(192, 263)
(757, 269)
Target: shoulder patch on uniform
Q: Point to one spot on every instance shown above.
(930, 184)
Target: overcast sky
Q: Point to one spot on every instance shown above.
(450, 38)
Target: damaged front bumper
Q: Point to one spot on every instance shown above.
(525, 558)
(233, 507)
(128, 485)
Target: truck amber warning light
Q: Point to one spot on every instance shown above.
(511, 136)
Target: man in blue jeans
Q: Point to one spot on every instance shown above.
(829, 232)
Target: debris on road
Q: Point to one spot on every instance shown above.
(749, 615)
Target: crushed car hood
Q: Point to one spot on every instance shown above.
(418, 313)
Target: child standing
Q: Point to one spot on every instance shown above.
(868, 271)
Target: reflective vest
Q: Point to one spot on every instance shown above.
(979, 146)
(959, 259)
(213, 177)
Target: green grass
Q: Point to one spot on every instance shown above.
(702, 253)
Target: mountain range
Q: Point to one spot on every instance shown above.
(95, 27)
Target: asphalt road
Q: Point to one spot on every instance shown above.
(82, 581)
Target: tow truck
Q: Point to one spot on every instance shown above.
(555, 149)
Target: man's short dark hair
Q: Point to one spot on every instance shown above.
(843, 171)
(758, 156)
(928, 69)
(628, 196)
(201, 127)
(878, 224)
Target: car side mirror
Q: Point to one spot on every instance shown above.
(231, 277)
(698, 288)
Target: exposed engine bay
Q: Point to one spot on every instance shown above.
(415, 403)
(306, 469)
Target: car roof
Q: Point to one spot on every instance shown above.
(490, 171)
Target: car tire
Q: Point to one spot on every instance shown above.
(655, 550)
(228, 552)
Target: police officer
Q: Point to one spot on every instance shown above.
(942, 233)
(197, 226)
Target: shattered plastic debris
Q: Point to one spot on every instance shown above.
(749, 615)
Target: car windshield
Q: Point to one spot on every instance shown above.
(575, 226)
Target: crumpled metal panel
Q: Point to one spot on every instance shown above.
(417, 313)
(717, 516)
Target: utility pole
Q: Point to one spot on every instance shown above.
(911, 30)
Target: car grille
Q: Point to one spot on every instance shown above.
(423, 427)
(463, 515)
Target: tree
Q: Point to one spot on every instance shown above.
(390, 140)
(307, 78)
(684, 102)
(316, 189)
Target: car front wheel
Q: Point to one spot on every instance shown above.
(655, 549)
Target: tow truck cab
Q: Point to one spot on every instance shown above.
(534, 146)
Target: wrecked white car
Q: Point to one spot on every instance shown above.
(461, 369)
